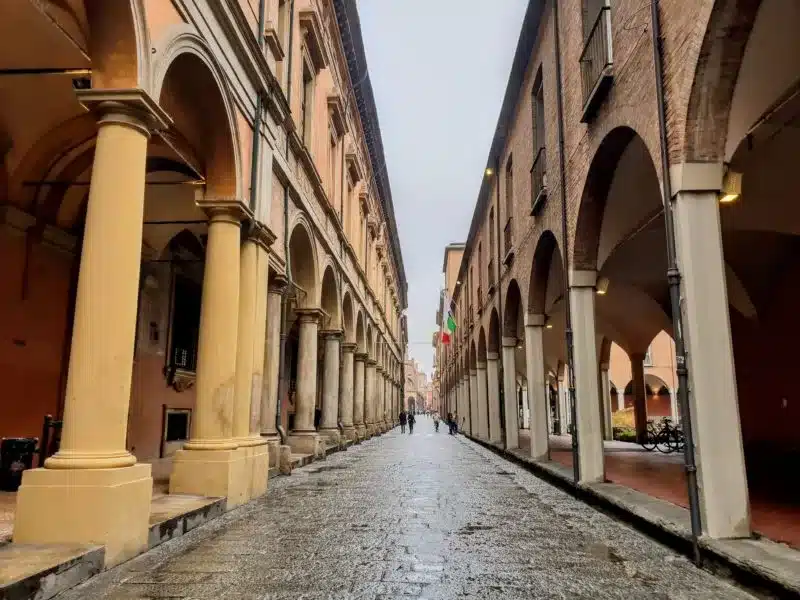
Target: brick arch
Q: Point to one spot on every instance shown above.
(514, 310)
(481, 345)
(119, 43)
(716, 71)
(547, 249)
(494, 332)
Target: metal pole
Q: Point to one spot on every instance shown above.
(576, 473)
(674, 280)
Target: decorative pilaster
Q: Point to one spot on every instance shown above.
(330, 387)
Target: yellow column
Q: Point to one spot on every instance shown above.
(92, 490)
(211, 463)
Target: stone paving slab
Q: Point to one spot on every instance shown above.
(410, 516)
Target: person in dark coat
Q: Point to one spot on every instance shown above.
(411, 421)
(403, 421)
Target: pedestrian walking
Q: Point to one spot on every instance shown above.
(411, 421)
(450, 423)
(436, 421)
(403, 420)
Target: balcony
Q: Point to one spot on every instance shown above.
(491, 277)
(538, 182)
(479, 296)
(597, 62)
(508, 241)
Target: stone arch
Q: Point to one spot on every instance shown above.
(514, 310)
(473, 356)
(329, 300)
(303, 264)
(191, 88)
(360, 333)
(546, 248)
(604, 356)
(494, 332)
(481, 355)
(716, 72)
(348, 320)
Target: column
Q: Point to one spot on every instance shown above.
(493, 390)
(359, 385)
(605, 389)
(346, 400)
(537, 385)
(369, 396)
(639, 396)
(673, 405)
(329, 425)
(303, 439)
(482, 405)
(269, 398)
(620, 400)
(474, 410)
(510, 392)
(93, 490)
(382, 399)
(590, 432)
(563, 404)
(721, 473)
(211, 462)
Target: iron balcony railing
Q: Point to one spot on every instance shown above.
(596, 61)
(538, 180)
(508, 242)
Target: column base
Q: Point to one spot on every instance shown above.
(257, 468)
(273, 445)
(109, 507)
(361, 431)
(331, 435)
(212, 473)
(285, 460)
(304, 442)
(350, 433)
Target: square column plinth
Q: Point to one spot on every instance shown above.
(304, 442)
(212, 473)
(257, 460)
(108, 507)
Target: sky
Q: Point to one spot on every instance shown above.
(439, 70)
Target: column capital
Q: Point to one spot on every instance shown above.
(473, 372)
(278, 283)
(232, 211)
(535, 320)
(259, 233)
(696, 177)
(371, 362)
(580, 278)
(480, 365)
(509, 342)
(331, 333)
(309, 315)
(132, 107)
(492, 356)
(379, 369)
(604, 366)
(348, 347)
(361, 356)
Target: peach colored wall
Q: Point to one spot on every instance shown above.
(32, 332)
(160, 16)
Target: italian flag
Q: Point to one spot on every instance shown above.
(449, 324)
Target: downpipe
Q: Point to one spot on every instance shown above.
(674, 280)
(576, 471)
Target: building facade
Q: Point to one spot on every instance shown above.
(639, 181)
(418, 389)
(199, 252)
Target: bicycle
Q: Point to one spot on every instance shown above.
(651, 438)
(670, 437)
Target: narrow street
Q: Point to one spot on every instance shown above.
(421, 516)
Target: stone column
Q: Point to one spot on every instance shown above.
(474, 410)
(380, 375)
(493, 390)
(510, 392)
(303, 438)
(620, 400)
(605, 389)
(673, 405)
(329, 426)
(639, 396)
(563, 401)
(721, 473)
(359, 385)
(537, 387)
(483, 406)
(250, 360)
(590, 432)
(269, 399)
(369, 396)
(346, 401)
(92, 490)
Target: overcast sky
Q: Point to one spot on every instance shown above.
(439, 70)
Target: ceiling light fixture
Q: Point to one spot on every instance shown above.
(731, 187)
(602, 286)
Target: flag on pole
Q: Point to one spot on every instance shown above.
(448, 323)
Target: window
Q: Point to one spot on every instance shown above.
(491, 230)
(332, 166)
(185, 323)
(597, 58)
(306, 100)
(648, 358)
(539, 167)
(591, 11)
(480, 267)
(508, 230)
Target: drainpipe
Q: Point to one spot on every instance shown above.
(283, 381)
(576, 473)
(674, 279)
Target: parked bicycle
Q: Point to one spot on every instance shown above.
(664, 437)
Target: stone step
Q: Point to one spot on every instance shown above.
(173, 515)
(301, 460)
(40, 571)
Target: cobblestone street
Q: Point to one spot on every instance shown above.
(421, 516)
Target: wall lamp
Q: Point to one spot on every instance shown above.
(489, 171)
(548, 322)
(731, 187)
(602, 286)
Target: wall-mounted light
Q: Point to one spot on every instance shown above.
(602, 286)
(731, 187)
(548, 323)
(489, 171)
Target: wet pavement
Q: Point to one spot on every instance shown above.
(422, 516)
